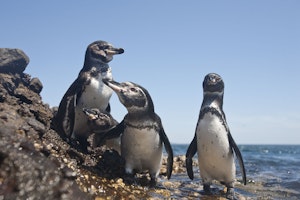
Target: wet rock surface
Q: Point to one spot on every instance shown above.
(36, 163)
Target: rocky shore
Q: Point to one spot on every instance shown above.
(36, 163)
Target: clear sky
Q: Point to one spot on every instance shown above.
(169, 47)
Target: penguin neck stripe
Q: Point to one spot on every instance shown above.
(219, 93)
(141, 126)
(216, 112)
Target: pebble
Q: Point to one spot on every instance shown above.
(93, 189)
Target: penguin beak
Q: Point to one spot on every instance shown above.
(117, 87)
(213, 80)
(114, 51)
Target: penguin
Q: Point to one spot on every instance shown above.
(142, 132)
(87, 91)
(213, 141)
(100, 122)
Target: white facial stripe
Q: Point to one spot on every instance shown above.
(146, 105)
(129, 83)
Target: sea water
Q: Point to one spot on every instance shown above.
(271, 169)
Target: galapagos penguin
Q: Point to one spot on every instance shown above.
(213, 141)
(99, 123)
(142, 132)
(87, 91)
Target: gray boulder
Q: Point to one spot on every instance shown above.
(13, 60)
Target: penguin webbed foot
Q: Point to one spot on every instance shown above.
(230, 193)
(207, 189)
(129, 178)
(152, 183)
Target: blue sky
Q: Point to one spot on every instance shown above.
(169, 47)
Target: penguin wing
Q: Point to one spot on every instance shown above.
(108, 108)
(63, 121)
(65, 116)
(78, 86)
(112, 133)
(238, 155)
(169, 151)
(191, 151)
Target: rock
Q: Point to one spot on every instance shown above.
(26, 173)
(36, 85)
(28, 169)
(12, 60)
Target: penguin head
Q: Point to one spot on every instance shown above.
(92, 113)
(213, 83)
(97, 119)
(133, 96)
(99, 53)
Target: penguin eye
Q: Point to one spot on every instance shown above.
(103, 47)
(133, 90)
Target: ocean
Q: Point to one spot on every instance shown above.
(273, 171)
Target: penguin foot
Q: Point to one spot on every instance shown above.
(152, 182)
(230, 193)
(129, 178)
(206, 188)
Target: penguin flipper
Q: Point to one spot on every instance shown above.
(191, 151)
(63, 122)
(169, 151)
(112, 133)
(239, 156)
(65, 115)
(108, 108)
(68, 120)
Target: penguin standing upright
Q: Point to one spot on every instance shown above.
(142, 132)
(213, 141)
(87, 91)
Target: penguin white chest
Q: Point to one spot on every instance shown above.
(214, 153)
(95, 95)
(141, 149)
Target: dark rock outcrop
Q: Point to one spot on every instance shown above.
(12, 60)
(27, 168)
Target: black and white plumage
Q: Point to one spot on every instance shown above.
(213, 141)
(142, 132)
(87, 91)
(99, 122)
